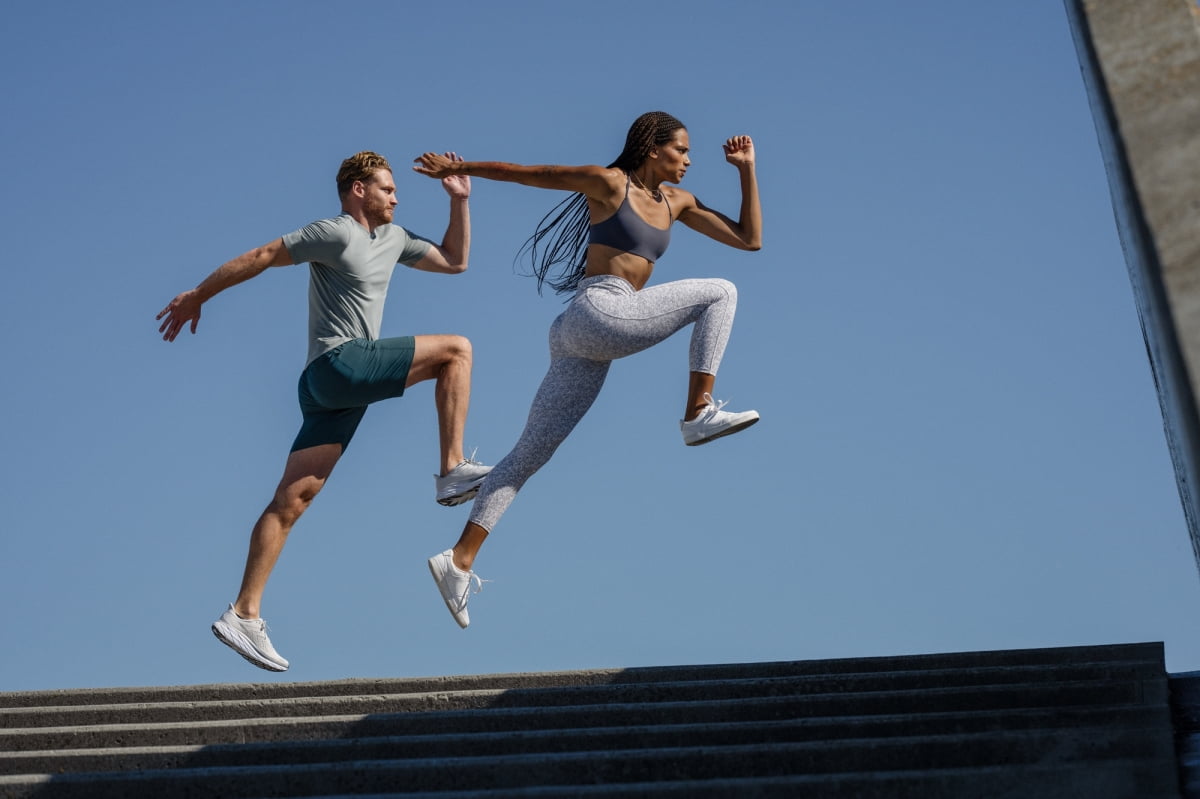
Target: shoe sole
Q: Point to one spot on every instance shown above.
(437, 580)
(466, 496)
(241, 644)
(726, 432)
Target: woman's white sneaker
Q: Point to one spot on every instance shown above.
(713, 423)
(454, 584)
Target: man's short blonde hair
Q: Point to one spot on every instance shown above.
(360, 166)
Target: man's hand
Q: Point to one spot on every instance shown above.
(739, 151)
(179, 311)
(186, 307)
(458, 186)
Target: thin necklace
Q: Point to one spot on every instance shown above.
(655, 195)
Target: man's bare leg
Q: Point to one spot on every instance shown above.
(303, 478)
(446, 359)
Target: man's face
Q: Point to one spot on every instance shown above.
(379, 199)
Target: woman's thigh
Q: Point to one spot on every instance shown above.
(604, 325)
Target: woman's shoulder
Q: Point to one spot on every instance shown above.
(603, 184)
(611, 174)
(677, 197)
(590, 170)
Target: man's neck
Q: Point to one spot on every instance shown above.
(359, 216)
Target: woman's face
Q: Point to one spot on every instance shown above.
(671, 160)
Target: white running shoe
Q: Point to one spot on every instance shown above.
(454, 585)
(248, 637)
(461, 483)
(713, 423)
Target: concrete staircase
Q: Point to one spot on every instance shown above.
(1090, 722)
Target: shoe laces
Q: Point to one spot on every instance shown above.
(469, 460)
(258, 625)
(473, 580)
(713, 405)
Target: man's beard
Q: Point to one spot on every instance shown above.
(378, 215)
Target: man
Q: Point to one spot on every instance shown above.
(352, 257)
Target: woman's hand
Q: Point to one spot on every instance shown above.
(739, 151)
(434, 165)
(456, 184)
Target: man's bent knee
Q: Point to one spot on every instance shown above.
(290, 501)
(435, 353)
(459, 347)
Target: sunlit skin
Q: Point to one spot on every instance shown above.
(655, 179)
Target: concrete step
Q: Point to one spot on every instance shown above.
(1052, 720)
(302, 719)
(661, 736)
(610, 767)
(1064, 657)
(1117, 681)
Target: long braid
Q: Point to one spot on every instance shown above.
(562, 234)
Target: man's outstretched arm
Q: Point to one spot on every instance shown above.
(186, 307)
(452, 255)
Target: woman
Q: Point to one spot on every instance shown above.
(605, 240)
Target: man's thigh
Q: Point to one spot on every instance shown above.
(358, 373)
(431, 353)
(307, 469)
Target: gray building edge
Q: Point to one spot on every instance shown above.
(1140, 61)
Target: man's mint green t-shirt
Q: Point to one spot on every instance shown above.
(349, 272)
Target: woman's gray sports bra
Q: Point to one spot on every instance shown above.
(628, 232)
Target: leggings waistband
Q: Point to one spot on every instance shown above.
(615, 281)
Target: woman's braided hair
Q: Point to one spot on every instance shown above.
(561, 237)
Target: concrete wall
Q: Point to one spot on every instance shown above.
(1140, 61)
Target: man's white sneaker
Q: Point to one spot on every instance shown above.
(248, 637)
(712, 423)
(461, 483)
(454, 585)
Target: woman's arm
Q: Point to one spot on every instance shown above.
(593, 181)
(746, 232)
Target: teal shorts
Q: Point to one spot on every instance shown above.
(336, 388)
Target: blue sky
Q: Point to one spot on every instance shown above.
(961, 446)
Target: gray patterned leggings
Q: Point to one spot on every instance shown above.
(607, 319)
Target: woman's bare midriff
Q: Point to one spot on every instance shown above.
(605, 260)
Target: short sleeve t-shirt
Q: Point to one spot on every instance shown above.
(349, 272)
